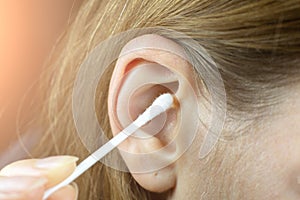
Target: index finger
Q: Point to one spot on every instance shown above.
(55, 169)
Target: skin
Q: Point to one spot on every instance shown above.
(262, 164)
(270, 161)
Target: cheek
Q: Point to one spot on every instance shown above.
(286, 154)
(261, 165)
(271, 167)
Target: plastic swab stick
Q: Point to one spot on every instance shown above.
(159, 105)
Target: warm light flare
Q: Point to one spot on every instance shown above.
(28, 30)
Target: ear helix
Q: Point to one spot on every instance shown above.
(173, 133)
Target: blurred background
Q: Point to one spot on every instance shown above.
(28, 31)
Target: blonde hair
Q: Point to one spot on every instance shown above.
(256, 45)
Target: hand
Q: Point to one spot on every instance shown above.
(28, 179)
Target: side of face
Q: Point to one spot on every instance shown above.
(263, 164)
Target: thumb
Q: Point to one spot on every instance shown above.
(69, 192)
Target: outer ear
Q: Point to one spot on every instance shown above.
(148, 66)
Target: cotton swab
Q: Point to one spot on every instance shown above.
(159, 105)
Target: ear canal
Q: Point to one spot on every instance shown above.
(140, 86)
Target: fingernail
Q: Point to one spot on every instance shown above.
(55, 161)
(37, 183)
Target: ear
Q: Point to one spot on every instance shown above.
(148, 66)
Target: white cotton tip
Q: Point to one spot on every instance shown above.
(159, 105)
(165, 101)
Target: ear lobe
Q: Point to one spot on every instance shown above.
(149, 66)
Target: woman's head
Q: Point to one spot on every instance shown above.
(254, 45)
